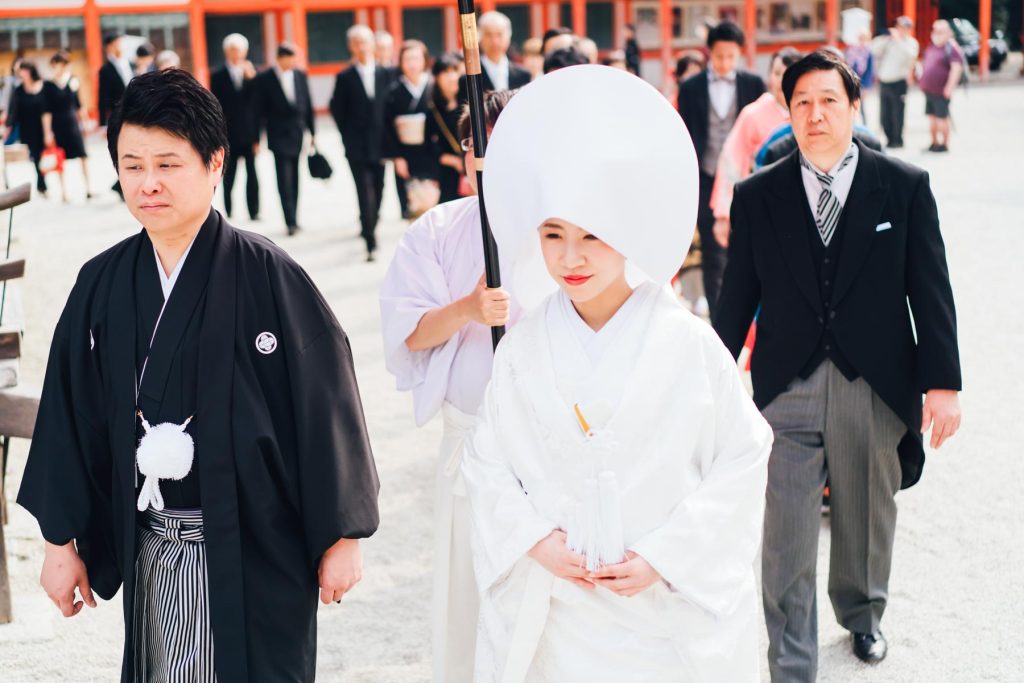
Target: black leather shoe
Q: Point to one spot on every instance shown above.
(870, 647)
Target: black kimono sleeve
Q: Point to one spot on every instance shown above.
(338, 482)
(67, 485)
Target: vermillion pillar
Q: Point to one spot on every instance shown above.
(985, 29)
(750, 29)
(666, 44)
(93, 48)
(197, 36)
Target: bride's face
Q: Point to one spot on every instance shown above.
(581, 264)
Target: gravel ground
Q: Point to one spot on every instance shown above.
(957, 583)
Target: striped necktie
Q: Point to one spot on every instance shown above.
(829, 209)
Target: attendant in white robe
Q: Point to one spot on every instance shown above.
(436, 314)
(618, 468)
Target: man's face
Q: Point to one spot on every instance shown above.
(234, 55)
(724, 56)
(166, 186)
(114, 49)
(495, 40)
(361, 47)
(286, 62)
(941, 34)
(384, 51)
(821, 113)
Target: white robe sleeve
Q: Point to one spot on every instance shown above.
(505, 524)
(415, 284)
(706, 550)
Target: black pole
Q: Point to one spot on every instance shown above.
(478, 123)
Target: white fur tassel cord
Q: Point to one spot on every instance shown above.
(165, 451)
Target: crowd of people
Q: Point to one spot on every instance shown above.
(605, 483)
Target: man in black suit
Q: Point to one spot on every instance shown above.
(284, 108)
(499, 73)
(234, 85)
(113, 77)
(709, 103)
(831, 243)
(357, 106)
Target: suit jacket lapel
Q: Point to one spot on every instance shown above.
(860, 216)
(788, 211)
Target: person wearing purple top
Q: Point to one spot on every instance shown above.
(942, 66)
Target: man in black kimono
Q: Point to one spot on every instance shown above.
(195, 328)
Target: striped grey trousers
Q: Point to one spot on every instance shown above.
(827, 426)
(173, 640)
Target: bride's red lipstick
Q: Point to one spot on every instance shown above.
(576, 280)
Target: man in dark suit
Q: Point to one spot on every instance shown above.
(357, 106)
(284, 108)
(709, 103)
(113, 77)
(499, 73)
(831, 243)
(234, 85)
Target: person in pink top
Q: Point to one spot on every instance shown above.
(755, 123)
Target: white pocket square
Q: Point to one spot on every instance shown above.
(883, 226)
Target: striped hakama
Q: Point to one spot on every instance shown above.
(173, 640)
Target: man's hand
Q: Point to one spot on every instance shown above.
(721, 232)
(627, 578)
(402, 168)
(942, 413)
(63, 572)
(453, 161)
(341, 568)
(248, 70)
(486, 306)
(552, 554)
(255, 148)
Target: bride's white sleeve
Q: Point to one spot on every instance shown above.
(706, 549)
(505, 525)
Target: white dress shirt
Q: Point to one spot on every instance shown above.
(721, 92)
(237, 74)
(842, 180)
(368, 75)
(287, 79)
(496, 71)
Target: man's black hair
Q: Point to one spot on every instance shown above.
(725, 32)
(788, 56)
(108, 38)
(145, 50)
(175, 102)
(821, 60)
(286, 50)
(567, 56)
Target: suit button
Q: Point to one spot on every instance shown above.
(832, 315)
(826, 261)
(821, 321)
(828, 347)
(827, 283)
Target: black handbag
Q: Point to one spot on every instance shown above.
(319, 166)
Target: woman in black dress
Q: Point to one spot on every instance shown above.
(28, 104)
(65, 115)
(405, 115)
(443, 124)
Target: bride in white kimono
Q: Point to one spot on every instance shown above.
(617, 472)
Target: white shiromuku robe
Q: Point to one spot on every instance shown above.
(690, 454)
(438, 261)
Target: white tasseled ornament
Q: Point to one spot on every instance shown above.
(165, 451)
